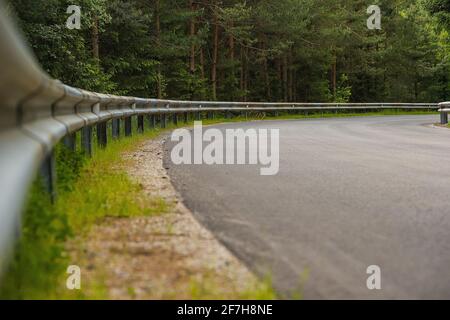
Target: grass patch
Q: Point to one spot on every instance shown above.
(316, 115)
(209, 289)
(105, 190)
(88, 190)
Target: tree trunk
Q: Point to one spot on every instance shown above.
(231, 44)
(241, 80)
(192, 35)
(333, 78)
(246, 76)
(202, 63)
(267, 80)
(290, 79)
(294, 86)
(285, 78)
(231, 50)
(416, 89)
(215, 55)
(95, 40)
(158, 45)
(279, 69)
(244, 73)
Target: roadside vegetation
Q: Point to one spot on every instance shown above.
(318, 114)
(237, 50)
(88, 191)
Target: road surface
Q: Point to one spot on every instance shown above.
(350, 193)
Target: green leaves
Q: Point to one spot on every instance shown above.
(278, 50)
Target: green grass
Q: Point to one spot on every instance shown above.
(91, 189)
(105, 190)
(88, 190)
(208, 289)
(315, 115)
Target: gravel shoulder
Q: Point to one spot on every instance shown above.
(168, 256)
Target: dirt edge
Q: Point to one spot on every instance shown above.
(167, 256)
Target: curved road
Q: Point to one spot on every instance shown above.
(351, 192)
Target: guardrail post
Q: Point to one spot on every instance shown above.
(70, 141)
(116, 128)
(163, 121)
(140, 123)
(152, 121)
(198, 116)
(102, 137)
(86, 140)
(175, 119)
(444, 117)
(48, 173)
(128, 126)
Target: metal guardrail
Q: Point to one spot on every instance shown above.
(444, 109)
(37, 112)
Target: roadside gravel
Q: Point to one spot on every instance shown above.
(167, 256)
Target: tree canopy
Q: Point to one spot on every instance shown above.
(258, 50)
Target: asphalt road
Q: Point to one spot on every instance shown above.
(350, 193)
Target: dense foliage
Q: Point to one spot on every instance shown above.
(260, 50)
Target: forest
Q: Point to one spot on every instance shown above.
(254, 50)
